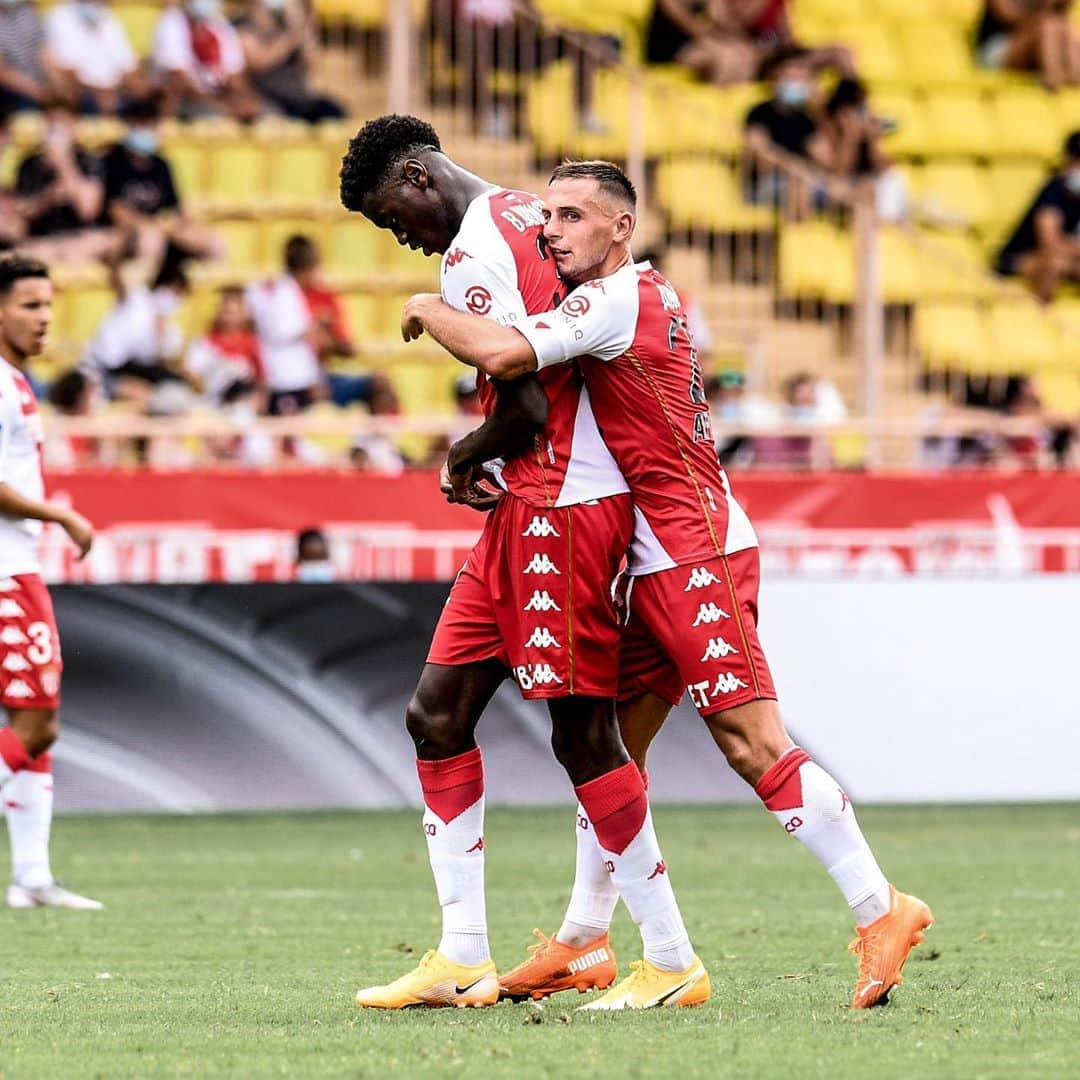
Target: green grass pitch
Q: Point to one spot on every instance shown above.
(232, 946)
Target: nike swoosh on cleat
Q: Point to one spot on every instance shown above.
(466, 989)
(685, 984)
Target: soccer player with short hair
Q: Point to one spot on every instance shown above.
(533, 598)
(692, 589)
(30, 662)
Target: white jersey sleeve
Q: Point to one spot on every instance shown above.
(478, 273)
(597, 319)
(8, 419)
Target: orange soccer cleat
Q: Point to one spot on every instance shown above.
(884, 946)
(553, 966)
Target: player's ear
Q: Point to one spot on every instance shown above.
(416, 173)
(624, 226)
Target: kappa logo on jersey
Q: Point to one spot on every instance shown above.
(717, 649)
(478, 299)
(530, 676)
(18, 689)
(541, 601)
(9, 609)
(541, 564)
(542, 638)
(8, 584)
(727, 684)
(15, 662)
(454, 256)
(540, 526)
(710, 613)
(576, 306)
(700, 578)
(12, 635)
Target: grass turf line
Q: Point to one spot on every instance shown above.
(233, 945)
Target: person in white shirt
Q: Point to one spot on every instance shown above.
(91, 49)
(198, 53)
(30, 661)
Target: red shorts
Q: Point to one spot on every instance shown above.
(694, 628)
(535, 594)
(30, 662)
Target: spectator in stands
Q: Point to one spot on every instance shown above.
(784, 146)
(852, 137)
(470, 415)
(138, 345)
(279, 38)
(1044, 248)
(808, 402)
(140, 192)
(73, 394)
(313, 557)
(199, 55)
(226, 363)
(1030, 35)
(60, 191)
(93, 55)
(376, 453)
(767, 24)
(704, 36)
(12, 223)
(27, 72)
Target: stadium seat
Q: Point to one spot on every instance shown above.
(352, 247)
(1059, 389)
(1027, 123)
(80, 312)
(237, 176)
(1012, 185)
(139, 21)
(907, 110)
(361, 312)
(276, 233)
(243, 244)
(934, 52)
(299, 175)
(951, 336)
(411, 267)
(704, 194)
(816, 260)
(187, 159)
(876, 50)
(958, 125)
(957, 192)
(1023, 338)
(951, 267)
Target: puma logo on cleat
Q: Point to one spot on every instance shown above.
(580, 963)
(870, 986)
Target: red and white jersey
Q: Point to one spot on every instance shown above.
(497, 267)
(21, 436)
(631, 332)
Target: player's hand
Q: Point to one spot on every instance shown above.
(412, 323)
(469, 488)
(79, 529)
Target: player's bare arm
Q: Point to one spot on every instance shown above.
(499, 351)
(14, 505)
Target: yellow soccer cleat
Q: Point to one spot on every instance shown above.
(649, 988)
(436, 982)
(884, 946)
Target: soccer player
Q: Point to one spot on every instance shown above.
(534, 596)
(693, 562)
(30, 662)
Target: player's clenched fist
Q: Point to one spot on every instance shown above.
(79, 529)
(412, 324)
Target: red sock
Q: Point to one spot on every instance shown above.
(780, 786)
(42, 763)
(453, 785)
(616, 805)
(12, 750)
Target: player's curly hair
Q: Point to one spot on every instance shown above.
(376, 148)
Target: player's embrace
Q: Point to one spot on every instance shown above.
(30, 663)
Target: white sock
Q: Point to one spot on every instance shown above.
(618, 807)
(454, 827)
(813, 808)
(594, 896)
(28, 804)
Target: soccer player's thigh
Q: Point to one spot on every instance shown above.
(554, 600)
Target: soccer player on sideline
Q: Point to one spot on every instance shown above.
(534, 595)
(30, 662)
(693, 562)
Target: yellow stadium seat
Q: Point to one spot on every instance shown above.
(1059, 389)
(352, 246)
(935, 52)
(243, 244)
(198, 311)
(1013, 186)
(1065, 316)
(875, 48)
(951, 336)
(703, 194)
(898, 267)
(1023, 338)
(1027, 123)
(277, 231)
(965, 12)
(300, 174)
(361, 312)
(81, 311)
(388, 315)
(139, 21)
(907, 111)
(816, 260)
(412, 266)
(187, 159)
(951, 267)
(958, 125)
(237, 174)
(958, 191)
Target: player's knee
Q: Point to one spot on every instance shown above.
(434, 730)
(40, 731)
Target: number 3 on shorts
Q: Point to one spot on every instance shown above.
(41, 651)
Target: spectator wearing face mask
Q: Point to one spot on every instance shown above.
(94, 56)
(313, 557)
(782, 134)
(198, 53)
(28, 75)
(279, 40)
(1044, 248)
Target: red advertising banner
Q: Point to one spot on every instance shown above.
(240, 526)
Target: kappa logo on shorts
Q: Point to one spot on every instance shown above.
(541, 564)
(701, 577)
(717, 649)
(710, 613)
(542, 638)
(727, 684)
(540, 526)
(15, 662)
(18, 689)
(529, 676)
(12, 635)
(8, 585)
(9, 609)
(541, 601)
